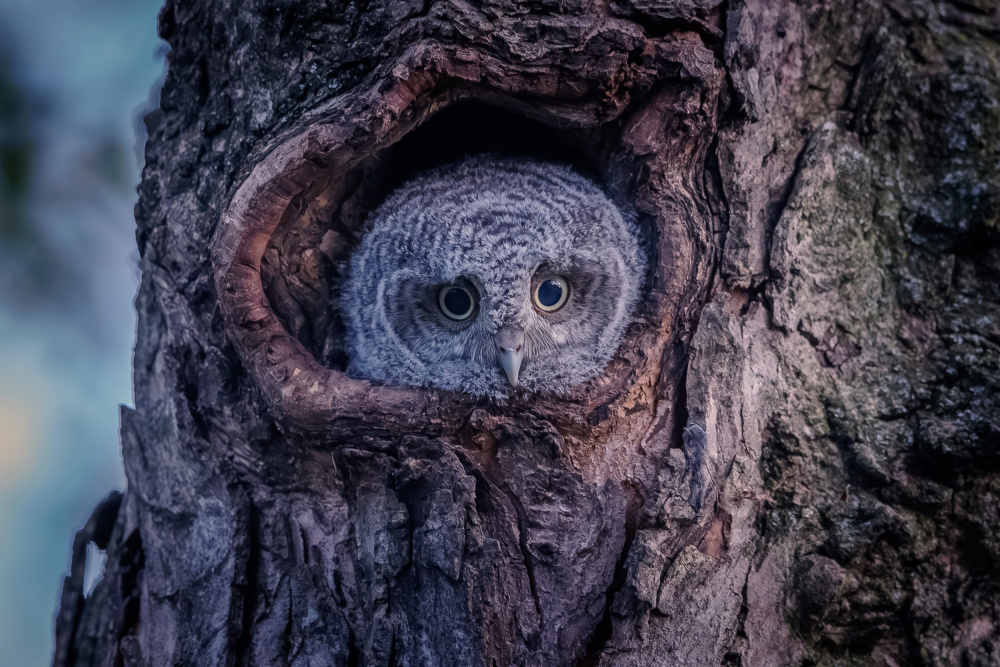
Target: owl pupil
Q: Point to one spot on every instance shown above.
(549, 293)
(457, 301)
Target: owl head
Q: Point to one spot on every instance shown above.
(491, 275)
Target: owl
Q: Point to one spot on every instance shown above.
(492, 275)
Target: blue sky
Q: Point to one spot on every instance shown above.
(83, 73)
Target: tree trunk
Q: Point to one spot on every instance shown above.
(794, 458)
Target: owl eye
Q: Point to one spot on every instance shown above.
(457, 303)
(551, 294)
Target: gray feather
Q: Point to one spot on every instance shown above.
(500, 224)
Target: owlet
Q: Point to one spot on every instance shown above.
(491, 274)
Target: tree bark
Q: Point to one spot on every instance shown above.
(794, 459)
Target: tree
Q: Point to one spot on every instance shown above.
(792, 460)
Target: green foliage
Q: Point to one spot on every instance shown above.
(15, 156)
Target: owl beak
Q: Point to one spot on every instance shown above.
(511, 360)
(510, 350)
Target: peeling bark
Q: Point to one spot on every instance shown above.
(794, 459)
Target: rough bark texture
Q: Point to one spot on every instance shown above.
(794, 458)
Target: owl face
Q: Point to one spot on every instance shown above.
(492, 275)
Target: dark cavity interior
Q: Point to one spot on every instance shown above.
(309, 253)
(469, 128)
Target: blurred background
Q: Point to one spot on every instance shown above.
(75, 80)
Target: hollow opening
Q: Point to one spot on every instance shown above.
(309, 253)
(472, 127)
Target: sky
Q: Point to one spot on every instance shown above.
(75, 78)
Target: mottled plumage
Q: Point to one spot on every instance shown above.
(495, 227)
